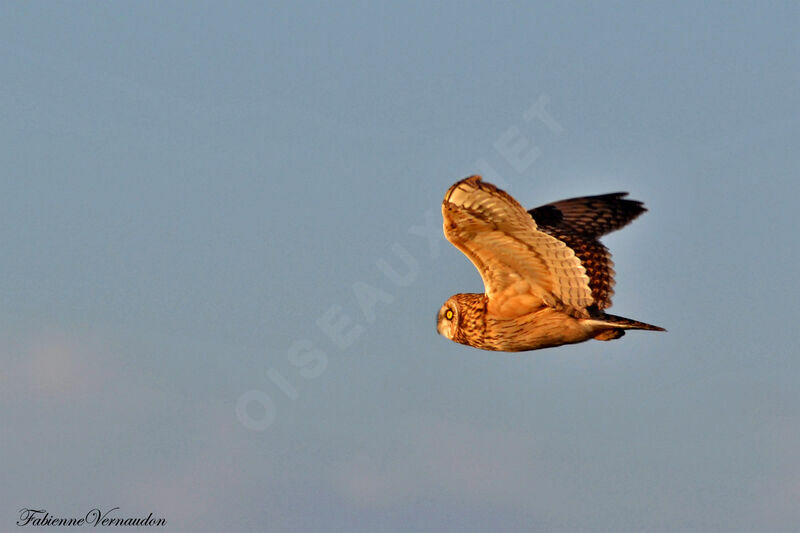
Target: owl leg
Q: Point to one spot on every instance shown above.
(609, 334)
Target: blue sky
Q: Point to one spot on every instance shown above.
(191, 192)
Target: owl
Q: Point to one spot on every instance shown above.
(547, 277)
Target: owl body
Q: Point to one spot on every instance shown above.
(546, 276)
(541, 327)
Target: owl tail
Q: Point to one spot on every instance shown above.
(617, 325)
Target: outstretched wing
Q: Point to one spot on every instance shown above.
(579, 222)
(522, 267)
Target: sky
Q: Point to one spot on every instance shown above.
(223, 258)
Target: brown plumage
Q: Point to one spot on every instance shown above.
(579, 222)
(547, 278)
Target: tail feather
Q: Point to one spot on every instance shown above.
(621, 322)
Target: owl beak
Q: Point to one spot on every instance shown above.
(438, 324)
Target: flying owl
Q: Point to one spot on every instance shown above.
(548, 279)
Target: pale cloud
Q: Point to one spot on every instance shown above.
(194, 472)
(369, 481)
(435, 458)
(212, 483)
(778, 505)
(55, 364)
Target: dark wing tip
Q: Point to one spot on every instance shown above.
(620, 199)
(591, 216)
(547, 215)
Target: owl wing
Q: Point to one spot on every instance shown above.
(579, 222)
(522, 267)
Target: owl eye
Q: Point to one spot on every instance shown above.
(448, 314)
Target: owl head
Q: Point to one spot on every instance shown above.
(461, 317)
(448, 318)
